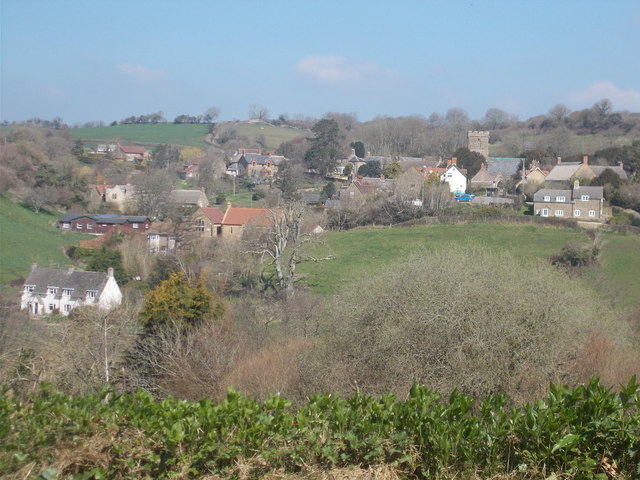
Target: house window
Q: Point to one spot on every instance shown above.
(67, 292)
(29, 288)
(576, 213)
(135, 225)
(584, 197)
(67, 308)
(154, 237)
(545, 212)
(52, 290)
(51, 307)
(560, 198)
(592, 213)
(89, 226)
(114, 196)
(559, 213)
(200, 225)
(66, 225)
(92, 293)
(78, 226)
(547, 198)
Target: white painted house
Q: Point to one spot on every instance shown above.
(51, 290)
(455, 177)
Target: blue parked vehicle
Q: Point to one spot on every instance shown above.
(464, 197)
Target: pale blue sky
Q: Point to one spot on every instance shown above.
(106, 60)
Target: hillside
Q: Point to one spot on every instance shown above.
(189, 135)
(250, 135)
(364, 251)
(27, 237)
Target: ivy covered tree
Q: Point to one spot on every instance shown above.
(174, 302)
(371, 169)
(358, 147)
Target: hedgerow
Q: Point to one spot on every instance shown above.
(585, 432)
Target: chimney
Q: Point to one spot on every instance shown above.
(368, 154)
(621, 165)
(559, 160)
(353, 152)
(576, 184)
(359, 178)
(585, 160)
(382, 176)
(34, 266)
(110, 272)
(453, 161)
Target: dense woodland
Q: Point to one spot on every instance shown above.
(219, 314)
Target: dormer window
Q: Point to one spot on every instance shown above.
(92, 293)
(29, 288)
(52, 290)
(547, 198)
(560, 198)
(584, 197)
(67, 292)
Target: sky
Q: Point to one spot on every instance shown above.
(106, 60)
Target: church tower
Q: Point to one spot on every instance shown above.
(478, 141)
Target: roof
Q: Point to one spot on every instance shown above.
(106, 218)
(132, 149)
(483, 178)
(263, 159)
(191, 197)
(563, 171)
(618, 170)
(381, 183)
(553, 193)
(595, 193)
(244, 215)
(408, 162)
(508, 166)
(214, 214)
(79, 281)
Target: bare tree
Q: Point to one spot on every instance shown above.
(151, 192)
(211, 114)
(258, 111)
(283, 245)
(559, 113)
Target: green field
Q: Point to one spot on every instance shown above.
(27, 237)
(190, 135)
(361, 253)
(273, 136)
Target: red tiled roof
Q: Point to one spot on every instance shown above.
(244, 215)
(132, 149)
(214, 214)
(101, 188)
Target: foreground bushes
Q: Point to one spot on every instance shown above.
(585, 432)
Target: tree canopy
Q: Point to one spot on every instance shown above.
(325, 146)
(174, 302)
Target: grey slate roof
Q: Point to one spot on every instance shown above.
(106, 218)
(508, 166)
(553, 193)
(79, 281)
(595, 193)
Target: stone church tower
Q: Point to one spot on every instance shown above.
(478, 141)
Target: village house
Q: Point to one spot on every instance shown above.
(99, 224)
(582, 203)
(535, 174)
(139, 155)
(493, 184)
(357, 192)
(207, 221)
(51, 290)
(104, 148)
(566, 172)
(455, 176)
(120, 196)
(237, 219)
(188, 198)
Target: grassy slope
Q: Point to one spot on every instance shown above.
(192, 135)
(362, 252)
(27, 237)
(274, 136)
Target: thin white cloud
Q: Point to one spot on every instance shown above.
(335, 70)
(141, 73)
(621, 99)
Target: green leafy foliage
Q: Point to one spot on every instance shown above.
(176, 303)
(587, 432)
